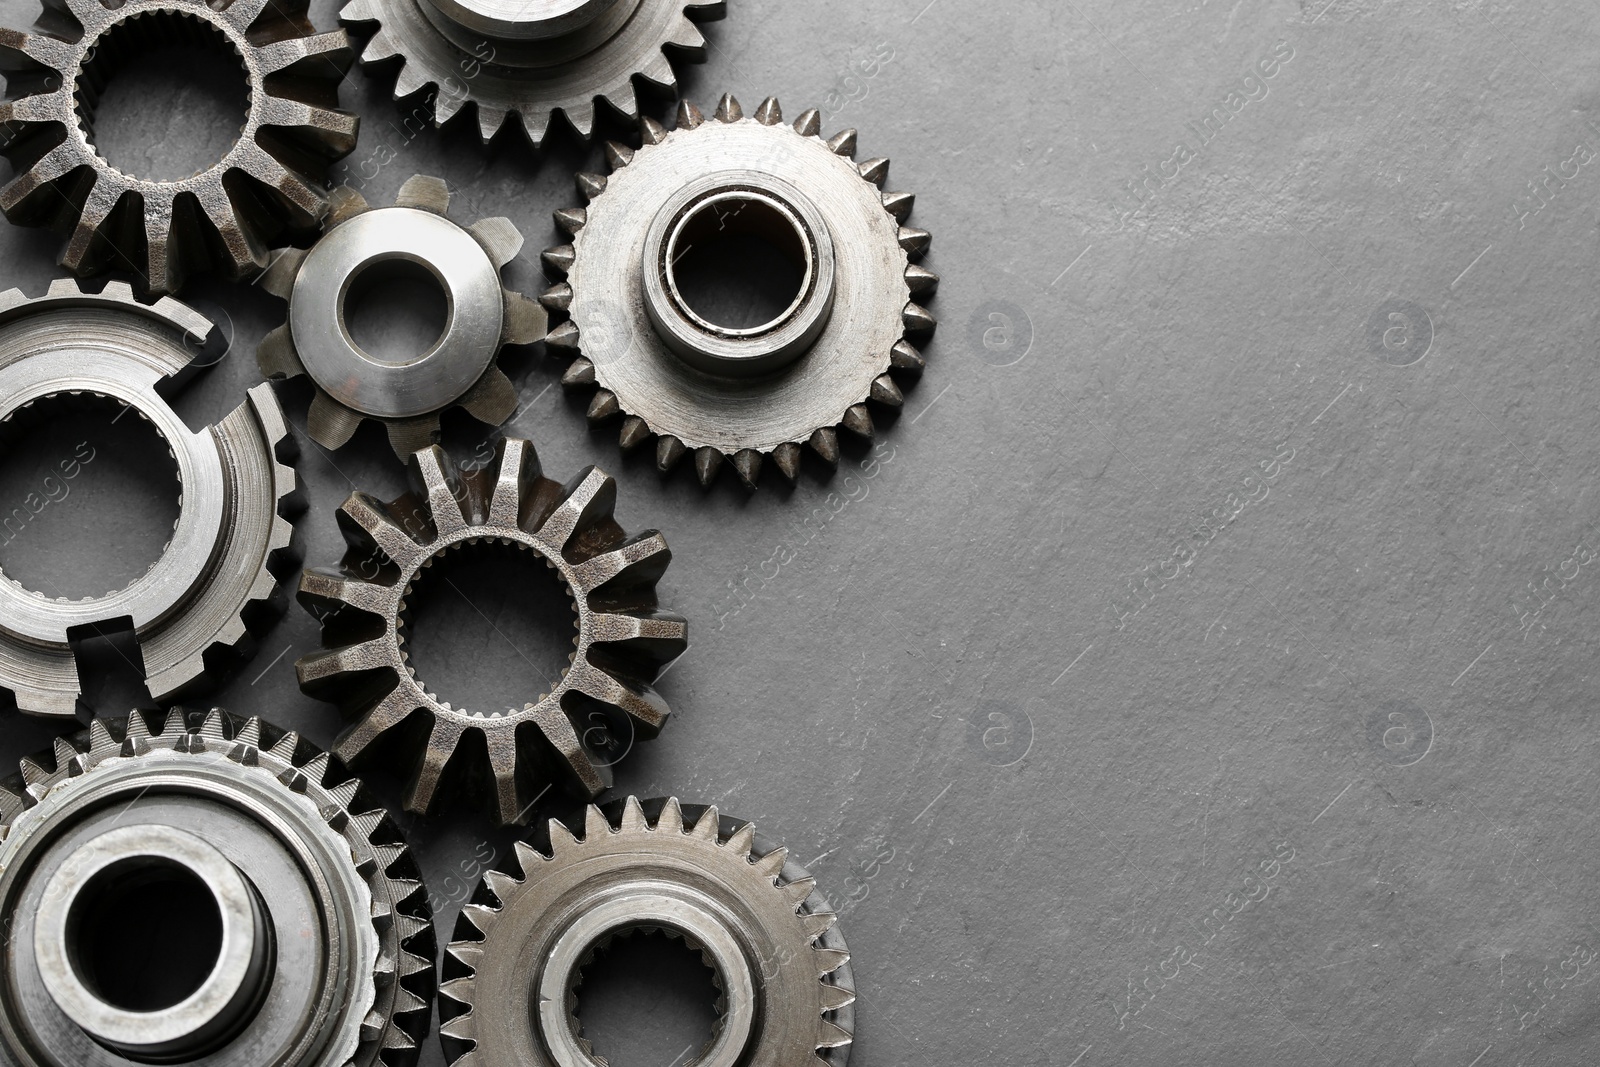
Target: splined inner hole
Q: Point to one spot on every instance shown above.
(144, 933)
(89, 496)
(396, 311)
(163, 96)
(738, 263)
(489, 627)
(647, 997)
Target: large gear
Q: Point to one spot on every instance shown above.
(267, 189)
(406, 396)
(324, 941)
(512, 972)
(525, 61)
(621, 640)
(196, 610)
(740, 394)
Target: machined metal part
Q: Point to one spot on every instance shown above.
(621, 639)
(322, 952)
(513, 971)
(196, 610)
(523, 62)
(266, 190)
(741, 395)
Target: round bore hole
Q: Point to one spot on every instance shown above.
(144, 933)
(647, 997)
(163, 96)
(738, 263)
(396, 311)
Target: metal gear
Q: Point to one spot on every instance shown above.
(405, 396)
(621, 642)
(512, 972)
(267, 189)
(195, 611)
(323, 954)
(740, 394)
(532, 59)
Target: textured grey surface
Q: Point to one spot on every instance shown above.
(1185, 680)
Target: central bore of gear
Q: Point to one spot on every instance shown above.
(163, 96)
(644, 993)
(396, 311)
(739, 264)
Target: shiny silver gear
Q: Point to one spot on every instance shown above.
(406, 396)
(525, 61)
(266, 190)
(196, 611)
(740, 395)
(513, 970)
(326, 952)
(621, 641)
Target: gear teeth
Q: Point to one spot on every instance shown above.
(669, 451)
(529, 859)
(921, 281)
(707, 461)
(905, 358)
(635, 432)
(836, 997)
(590, 185)
(579, 375)
(770, 113)
(747, 463)
(618, 155)
(742, 840)
(825, 443)
(887, 393)
(499, 237)
(858, 420)
(100, 739)
(689, 116)
(899, 205)
(771, 865)
(787, 457)
(797, 891)
(728, 109)
(708, 826)
(915, 242)
(843, 143)
(561, 838)
(919, 320)
(875, 171)
(633, 818)
(604, 406)
(831, 1035)
(560, 259)
(571, 219)
(425, 193)
(829, 960)
(563, 335)
(817, 923)
(671, 818)
(809, 124)
(557, 298)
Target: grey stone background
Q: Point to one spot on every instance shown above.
(1200, 670)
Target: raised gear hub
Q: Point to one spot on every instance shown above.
(267, 189)
(325, 950)
(622, 639)
(512, 971)
(742, 395)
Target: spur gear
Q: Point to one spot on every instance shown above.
(621, 642)
(525, 61)
(266, 190)
(512, 972)
(195, 612)
(321, 944)
(406, 396)
(741, 395)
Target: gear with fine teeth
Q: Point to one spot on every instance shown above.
(500, 758)
(266, 190)
(511, 975)
(523, 62)
(743, 395)
(360, 244)
(321, 951)
(196, 611)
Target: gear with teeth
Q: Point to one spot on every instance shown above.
(323, 947)
(525, 61)
(511, 974)
(501, 758)
(196, 611)
(266, 190)
(742, 395)
(459, 369)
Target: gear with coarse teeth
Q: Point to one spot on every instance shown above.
(327, 901)
(741, 395)
(523, 62)
(512, 973)
(266, 190)
(500, 758)
(459, 370)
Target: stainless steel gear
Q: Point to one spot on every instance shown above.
(743, 395)
(513, 970)
(321, 945)
(525, 61)
(268, 187)
(405, 395)
(196, 610)
(621, 640)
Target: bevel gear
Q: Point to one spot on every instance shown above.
(325, 951)
(742, 395)
(266, 190)
(525, 61)
(459, 369)
(621, 640)
(196, 611)
(513, 970)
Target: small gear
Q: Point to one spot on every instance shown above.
(740, 394)
(266, 190)
(622, 640)
(324, 948)
(406, 396)
(532, 59)
(512, 972)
